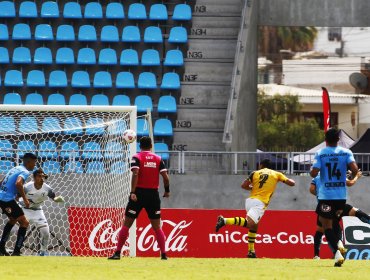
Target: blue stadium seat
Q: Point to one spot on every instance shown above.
(95, 126)
(72, 10)
(70, 150)
(131, 34)
(182, 12)
(174, 58)
(137, 11)
(58, 78)
(116, 128)
(100, 100)
(167, 104)
(6, 148)
(21, 31)
(93, 10)
(119, 168)
(65, 56)
(5, 166)
(7, 125)
(56, 99)
(73, 125)
(43, 56)
(65, 32)
(150, 58)
(161, 149)
(121, 100)
(113, 150)
(73, 167)
(25, 146)
(7, 9)
(21, 55)
(51, 167)
(129, 57)
(153, 34)
(86, 56)
(36, 78)
(143, 102)
(50, 9)
(43, 32)
(4, 33)
(107, 57)
(170, 81)
(87, 33)
(115, 11)
(142, 128)
(28, 125)
(51, 125)
(163, 128)
(125, 80)
(95, 167)
(28, 9)
(78, 99)
(34, 99)
(80, 79)
(147, 80)
(48, 149)
(12, 98)
(158, 12)
(4, 55)
(178, 35)
(92, 150)
(102, 79)
(13, 78)
(109, 33)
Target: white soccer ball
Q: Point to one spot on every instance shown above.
(129, 135)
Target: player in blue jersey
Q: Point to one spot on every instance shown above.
(10, 187)
(332, 162)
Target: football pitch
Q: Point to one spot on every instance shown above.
(176, 268)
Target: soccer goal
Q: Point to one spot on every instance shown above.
(82, 150)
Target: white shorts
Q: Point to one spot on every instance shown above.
(255, 209)
(35, 217)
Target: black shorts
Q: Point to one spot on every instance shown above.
(346, 210)
(330, 209)
(11, 209)
(147, 199)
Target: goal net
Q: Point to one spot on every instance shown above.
(82, 150)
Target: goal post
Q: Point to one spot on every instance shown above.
(82, 150)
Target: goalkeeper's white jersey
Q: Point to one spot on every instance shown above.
(36, 197)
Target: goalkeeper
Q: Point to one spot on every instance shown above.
(37, 192)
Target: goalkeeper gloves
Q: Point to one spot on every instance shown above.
(59, 199)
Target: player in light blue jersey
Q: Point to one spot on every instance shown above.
(10, 187)
(332, 163)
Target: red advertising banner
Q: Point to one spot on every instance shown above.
(191, 233)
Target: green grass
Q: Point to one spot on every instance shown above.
(177, 268)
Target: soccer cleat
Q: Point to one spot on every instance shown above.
(316, 257)
(220, 223)
(164, 256)
(341, 247)
(4, 252)
(115, 256)
(251, 255)
(338, 259)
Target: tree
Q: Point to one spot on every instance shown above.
(279, 126)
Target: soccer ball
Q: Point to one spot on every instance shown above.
(129, 135)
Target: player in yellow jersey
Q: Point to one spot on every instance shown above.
(262, 184)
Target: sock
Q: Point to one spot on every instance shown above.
(6, 233)
(45, 236)
(317, 242)
(122, 237)
(161, 239)
(365, 218)
(251, 239)
(332, 239)
(20, 239)
(238, 221)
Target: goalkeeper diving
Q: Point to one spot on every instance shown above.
(37, 191)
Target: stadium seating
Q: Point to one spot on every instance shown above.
(87, 33)
(142, 128)
(102, 79)
(174, 58)
(4, 55)
(95, 167)
(107, 57)
(28, 9)
(163, 128)
(12, 98)
(13, 78)
(182, 12)
(121, 100)
(86, 56)
(36, 78)
(44, 32)
(93, 10)
(72, 10)
(4, 33)
(143, 102)
(118, 168)
(153, 34)
(7, 125)
(170, 81)
(48, 150)
(161, 149)
(147, 80)
(56, 99)
(70, 150)
(5, 166)
(21, 31)
(80, 79)
(78, 99)
(73, 126)
(95, 126)
(65, 56)
(137, 11)
(167, 105)
(131, 34)
(129, 57)
(21, 55)
(28, 125)
(49, 9)
(58, 78)
(51, 125)
(158, 12)
(7, 9)
(73, 167)
(100, 100)
(125, 80)
(6, 148)
(43, 56)
(25, 146)
(34, 99)
(65, 32)
(109, 33)
(115, 11)
(91, 150)
(178, 34)
(51, 167)
(150, 58)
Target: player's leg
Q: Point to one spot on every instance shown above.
(255, 210)
(21, 236)
(355, 212)
(317, 238)
(5, 236)
(43, 227)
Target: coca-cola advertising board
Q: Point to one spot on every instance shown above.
(191, 233)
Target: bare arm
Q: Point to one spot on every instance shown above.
(314, 172)
(19, 185)
(353, 181)
(290, 182)
(354, 168)
(166, 183)
(313, 189)
(134, 179)
(247, 185)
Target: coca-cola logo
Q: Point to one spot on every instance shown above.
(104, 237)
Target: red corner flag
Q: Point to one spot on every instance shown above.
(326, 108)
